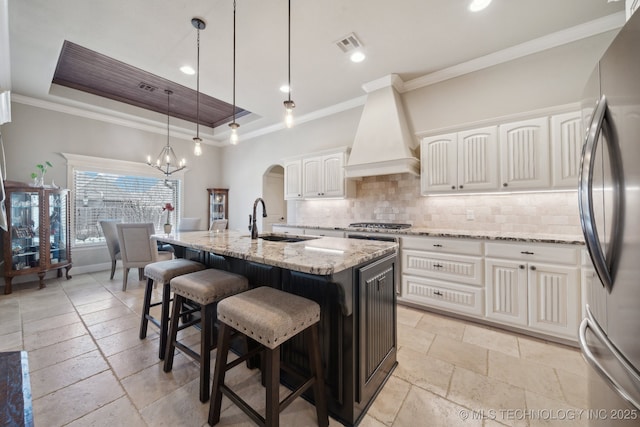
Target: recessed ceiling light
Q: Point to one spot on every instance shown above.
(284, 88)
(478, 5)
(187, 69)
(357, 56)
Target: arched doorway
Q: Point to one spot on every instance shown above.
(273, 195)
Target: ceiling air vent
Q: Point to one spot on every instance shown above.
(349, 43)
(147, 87)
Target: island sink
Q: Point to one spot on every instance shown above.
(285, 239)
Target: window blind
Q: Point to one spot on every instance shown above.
(128, 198)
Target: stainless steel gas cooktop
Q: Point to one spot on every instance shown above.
(380, 225)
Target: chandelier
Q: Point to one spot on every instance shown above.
(167, 162)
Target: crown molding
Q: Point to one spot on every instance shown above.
(93, 112)
(582, 31)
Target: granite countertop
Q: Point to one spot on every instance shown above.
(467, 234)
(321, 256)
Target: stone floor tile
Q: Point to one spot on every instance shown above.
(424, 371)
(53, 336)
(468, 356)
(414, 338)
(441, 325)
(409, 316)
(387, 404)
(56, 353)
(554, 355)
(120, 412)
(492, 339)
(424, 408)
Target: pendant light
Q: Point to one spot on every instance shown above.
(167, 162)
(233, 125)
(289, 105)
(199, 24)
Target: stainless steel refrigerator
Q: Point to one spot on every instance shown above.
(609, 197)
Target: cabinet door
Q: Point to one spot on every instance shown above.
(524, 154)
(22, 242)
(58, 238)
(439, 163)
(312, 177)
(506, 285)
(477, 159)
(566, 142)
(333, 175)
(553, 299)
(293, 180)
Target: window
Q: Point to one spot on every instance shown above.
(128, 193)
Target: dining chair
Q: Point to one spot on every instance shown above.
(110, 233)
(137, 249)
(189, 224)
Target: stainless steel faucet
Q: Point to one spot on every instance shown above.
(254, 225)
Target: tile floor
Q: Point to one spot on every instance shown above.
(88, 367)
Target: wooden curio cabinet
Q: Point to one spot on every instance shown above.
(38, 236)
(218, 204)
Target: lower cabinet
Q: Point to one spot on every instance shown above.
(530, 286)
(538, 287)
(435, 274)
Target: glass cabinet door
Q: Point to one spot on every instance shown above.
(59, 233)
(218, 204)
(25, 223)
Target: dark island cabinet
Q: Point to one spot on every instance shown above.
(38, 235)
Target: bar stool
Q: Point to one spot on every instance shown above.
(270, 317)
(161, 273)
(204, 289)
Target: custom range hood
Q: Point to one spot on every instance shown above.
(383, 144)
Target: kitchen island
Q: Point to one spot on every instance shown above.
(354, 283)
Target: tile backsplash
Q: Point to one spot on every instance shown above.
(396, 198)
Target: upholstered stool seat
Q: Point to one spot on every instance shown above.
(270, 317)
(205, 289)
(161, 273)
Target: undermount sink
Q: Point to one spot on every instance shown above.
(285, 238)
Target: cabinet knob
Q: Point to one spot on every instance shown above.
(521, 267)
(505, 184)
(461, 187)
(533, 267)
(453, 187)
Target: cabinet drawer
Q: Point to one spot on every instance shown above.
(448, 296)
(457, 268)
(328, 232)
(552, 253)
(443, 244)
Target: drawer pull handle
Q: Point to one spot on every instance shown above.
(438, 293)
(533, 267)
(437, 265)
(437, 245)
(527, 253)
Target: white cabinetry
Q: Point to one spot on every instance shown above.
(293, 179)
(462, 161)
(566, 143)
(317, 176)
(524, 154)
(443, 273)
(534, 285)
(324, 232)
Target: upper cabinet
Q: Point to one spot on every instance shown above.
(463, 161)
(319, 175)
(535, 154)
(566, 142)
(293, 179)
(524, 154)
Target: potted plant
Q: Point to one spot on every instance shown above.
(38, 181)
(167, 225)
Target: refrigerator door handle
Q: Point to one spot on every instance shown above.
(590, 323)
(585, 192)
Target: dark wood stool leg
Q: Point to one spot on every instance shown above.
(173, 333)
(164, 319)
(315, 361)
(146, 307)
(224, 340)
(272, 362)
(206, 323)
